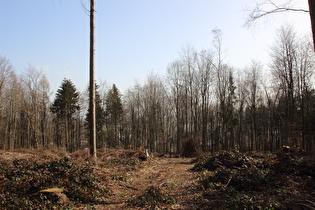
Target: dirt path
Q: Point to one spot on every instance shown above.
(170, 175)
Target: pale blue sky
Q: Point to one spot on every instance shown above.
(133, 37)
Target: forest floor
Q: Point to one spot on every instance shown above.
(119, 179)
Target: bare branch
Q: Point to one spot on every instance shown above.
(269, 7)
(86, 10)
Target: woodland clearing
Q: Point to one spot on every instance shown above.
(118, 179)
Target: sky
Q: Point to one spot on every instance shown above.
(134, 38)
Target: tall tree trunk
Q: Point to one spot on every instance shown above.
(311, 4)
(92, 85)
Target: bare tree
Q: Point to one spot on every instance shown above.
(31, 81)
(133, 115)
(304, 74)
(292, 68)
(10, 102)
(224, 95)
(44, 102)
(283, 65)
(153, 105)
(252, 84)
(16, 132)
(242, 94)
(205, 78)
(189, 58)
(177, 92)
(5, 72)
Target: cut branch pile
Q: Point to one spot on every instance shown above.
(25, 184)
(232, 180)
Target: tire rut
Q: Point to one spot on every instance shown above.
(171, 175)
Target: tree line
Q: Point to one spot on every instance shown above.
(201, 98)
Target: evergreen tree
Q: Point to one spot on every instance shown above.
(66, 100)
(114, 113)
(231, 120)
(100, 119)
(64, 106)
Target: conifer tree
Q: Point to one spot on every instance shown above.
(114, 112)
(64, 106)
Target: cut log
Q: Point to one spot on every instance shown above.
(58, 192)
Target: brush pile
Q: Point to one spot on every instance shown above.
(25, 184)
(232, 180)
(41, 179)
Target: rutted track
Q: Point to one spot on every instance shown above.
(171, 175)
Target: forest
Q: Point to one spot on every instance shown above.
(200, 98)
